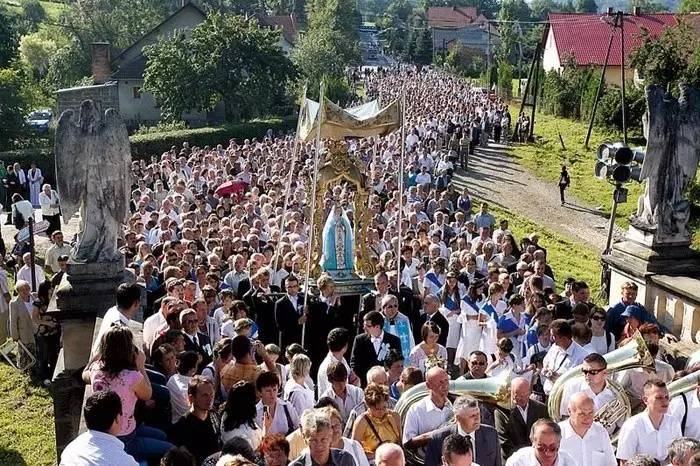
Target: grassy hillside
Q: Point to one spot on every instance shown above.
(53, 9)
(545, 157)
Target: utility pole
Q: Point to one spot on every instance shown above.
(621, 18)
(488, 56)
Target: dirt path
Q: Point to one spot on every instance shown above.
(41, 241)
(495, 175)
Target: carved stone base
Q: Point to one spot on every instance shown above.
(651, 238)
(89, 289)
(640, 260)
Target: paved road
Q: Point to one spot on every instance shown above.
(495, 175)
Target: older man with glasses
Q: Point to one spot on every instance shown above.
(482, 438)
(397, 324)
(584, 439)
(546, 438)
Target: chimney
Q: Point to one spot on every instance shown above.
(610, 10)
(101, 69)
(637, 11)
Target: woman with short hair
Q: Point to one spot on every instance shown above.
(295, 390)
(378, 424)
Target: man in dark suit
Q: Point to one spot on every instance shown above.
(289, 313)
(579, 294)
(371, 301)
(194, 339)
(261, 304)
(431, 306)
(372, 347)
(514, 426)
(482, 438)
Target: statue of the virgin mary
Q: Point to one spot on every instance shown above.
(338, 241)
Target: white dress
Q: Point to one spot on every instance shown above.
(470, 331)
(35, 181)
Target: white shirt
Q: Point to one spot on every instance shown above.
(25, 273)
(559, 361)
(593, 449)
(280, 425)
(299, 396)
(53, 253)
(179, 402)
(253, 436)
(152, 327)
(526, 457)
(95, 448)
(353, 397)
(580, 385)
(424, 417)
(638, 435)
(322, 377)
(112, 316)
(677, 410)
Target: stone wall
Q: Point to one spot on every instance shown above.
(106, 94)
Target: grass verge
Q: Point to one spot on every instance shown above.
(545, 157)
(26, 421)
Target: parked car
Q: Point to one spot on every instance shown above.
(39, 120)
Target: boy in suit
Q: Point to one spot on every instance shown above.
(372, 347)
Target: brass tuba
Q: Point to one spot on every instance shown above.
(633, 354)
(494, 391)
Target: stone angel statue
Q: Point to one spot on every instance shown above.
(672, 130)
(93, 160)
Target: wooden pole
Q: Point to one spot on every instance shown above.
(600, 89)
(32, 252)
(401, 178)
(317, 157)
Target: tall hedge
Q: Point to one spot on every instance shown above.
(143, 146)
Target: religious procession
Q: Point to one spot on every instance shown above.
(337, 297)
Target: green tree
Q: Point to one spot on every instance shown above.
(339, 15)
(586, 6)
(542, 8)
(688, 6)
(67, 66)
(465, 61)
(228, 58)
(9, 37)
(671, 58)
(322, 53)
(14, 107)
(424, 47)
(37, 52)
(505, 79)
(33, 13)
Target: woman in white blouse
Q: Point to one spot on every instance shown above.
(295, 390)
(239, 417)
(50, 211)
(602, 341)
(428, 351)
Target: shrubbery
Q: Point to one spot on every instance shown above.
(143, 146)
(571, 94)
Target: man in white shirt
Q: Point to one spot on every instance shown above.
(337, 342)
(156, 323)
(651, 431)
(546, 439)
(686, 408)
(585, 440)
(346, 396)
(562, 356)
(128, 304)
(178, 383)
(593, 384)
(99, 446)
(57, 249)
(25, 273)
(430, 413)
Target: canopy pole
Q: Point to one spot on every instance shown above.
(287, 194)
(317, 157)
(401, 178)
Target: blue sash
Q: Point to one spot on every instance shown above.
(471, 303)
(451, 304)
(402, 329)
(490, 310)
(434, 279)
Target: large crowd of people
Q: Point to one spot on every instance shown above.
(239, 365)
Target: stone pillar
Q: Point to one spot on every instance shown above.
(86, 292)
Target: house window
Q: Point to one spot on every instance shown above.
(137, 92)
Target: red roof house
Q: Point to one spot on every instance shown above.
(451, 16)
(585, 37)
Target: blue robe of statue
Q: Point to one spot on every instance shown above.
(337, 242)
